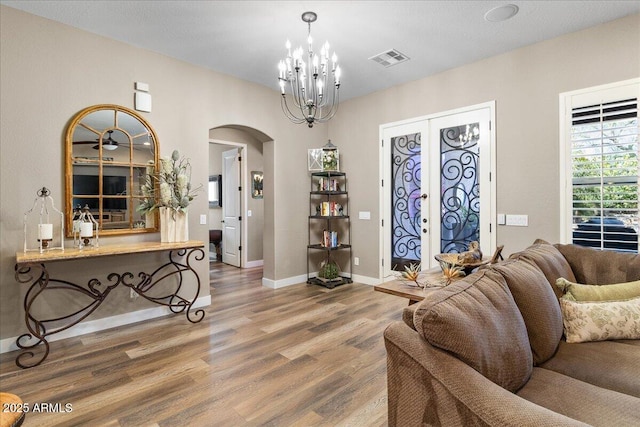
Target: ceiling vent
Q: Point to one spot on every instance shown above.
(389, 58)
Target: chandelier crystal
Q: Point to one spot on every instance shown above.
(313, 81)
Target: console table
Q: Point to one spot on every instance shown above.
(30, 268)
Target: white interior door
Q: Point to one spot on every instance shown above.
(231, 207)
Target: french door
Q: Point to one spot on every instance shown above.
(437, 189)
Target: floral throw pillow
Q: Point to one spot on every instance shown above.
(600, 320)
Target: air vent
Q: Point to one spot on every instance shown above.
(389, 58)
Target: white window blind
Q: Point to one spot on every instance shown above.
(604, 168)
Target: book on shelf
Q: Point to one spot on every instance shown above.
(328, 184)
(330, 239)
(330, 208)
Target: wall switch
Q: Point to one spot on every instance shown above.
(132, 294)
(502, 220)
(249, 212)
(364, 215)
(356, 261)
(518, 220)
(203, 219)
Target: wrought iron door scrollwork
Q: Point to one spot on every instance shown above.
(95, 291)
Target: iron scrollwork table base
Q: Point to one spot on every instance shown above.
(30, 268)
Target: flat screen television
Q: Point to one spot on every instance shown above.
(111, 186)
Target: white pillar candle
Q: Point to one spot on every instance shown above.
(86, 229)
(45, 231)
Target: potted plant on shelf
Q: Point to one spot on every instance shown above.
(329, 272)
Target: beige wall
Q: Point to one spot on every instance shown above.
(525, 84)
(50, 71)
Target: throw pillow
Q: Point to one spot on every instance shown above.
(548, 259)
(599, 321)
(537, 304)
(597, 267)
(476, 319)
(616, 291)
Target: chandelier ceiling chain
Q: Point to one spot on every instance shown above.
(314, 84)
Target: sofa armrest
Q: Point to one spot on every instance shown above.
(428, 386)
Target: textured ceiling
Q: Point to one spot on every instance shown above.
(246, 38)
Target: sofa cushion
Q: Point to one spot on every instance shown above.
(579, 292)
(478, 321)
(600, 320)
(581, 401)
(589, 362)
(537, 303)
(600, 267)
(548, 259)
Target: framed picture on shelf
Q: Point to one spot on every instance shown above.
(256, 184)
(314, 160)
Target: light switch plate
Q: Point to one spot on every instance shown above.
(203, 219)
(144, 87)
(518, 220)
(364, 215)
(502, 220)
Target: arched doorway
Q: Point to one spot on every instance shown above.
(256, 210)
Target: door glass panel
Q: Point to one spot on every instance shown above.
(460, 189)
(406, 246)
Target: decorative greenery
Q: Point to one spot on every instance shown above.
(329, 271)
(174, 178)
(451, 271)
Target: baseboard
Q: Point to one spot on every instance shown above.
(296, 280)
(366, 280)
(289, 281)
(256, 263)
(9, 344)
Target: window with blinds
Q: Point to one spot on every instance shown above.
(604, 169)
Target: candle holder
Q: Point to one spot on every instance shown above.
(46, 231)
(85, 228)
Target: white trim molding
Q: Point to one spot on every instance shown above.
(9, 344)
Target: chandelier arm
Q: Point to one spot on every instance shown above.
(288, 113)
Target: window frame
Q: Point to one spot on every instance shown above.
(568, 102)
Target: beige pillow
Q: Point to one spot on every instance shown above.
(601, 320)
(476, 320)
(613, 292)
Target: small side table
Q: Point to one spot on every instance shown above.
(434, 278)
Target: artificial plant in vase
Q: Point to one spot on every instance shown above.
(174, 196)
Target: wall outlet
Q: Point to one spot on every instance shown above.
(356, 261)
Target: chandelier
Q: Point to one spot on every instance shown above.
(313, 81)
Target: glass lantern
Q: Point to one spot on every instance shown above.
(85, 228)
(330, 158)
(47, 228)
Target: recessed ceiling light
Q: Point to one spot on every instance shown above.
(501, 13)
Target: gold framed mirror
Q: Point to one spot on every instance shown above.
(109, 153)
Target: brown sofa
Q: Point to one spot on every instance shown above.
(489, 350)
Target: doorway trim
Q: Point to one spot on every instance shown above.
(244, 231)
(384, 163)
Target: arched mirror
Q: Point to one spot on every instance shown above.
(110, 151)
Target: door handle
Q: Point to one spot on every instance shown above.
(424, 195)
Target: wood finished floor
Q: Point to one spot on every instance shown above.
(297, 356)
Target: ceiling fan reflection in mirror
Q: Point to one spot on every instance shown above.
(107, 144)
